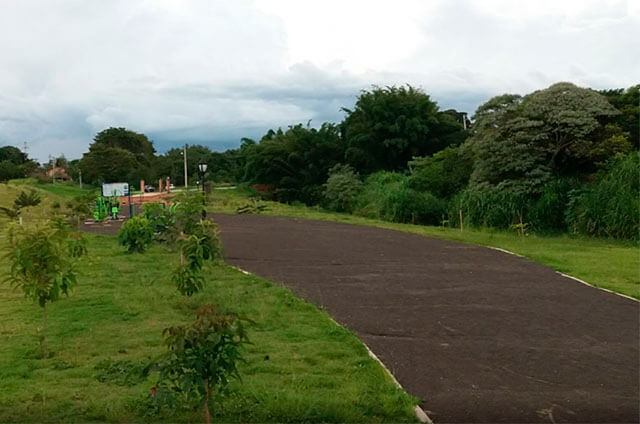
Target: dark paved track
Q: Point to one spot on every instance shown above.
(479, 335)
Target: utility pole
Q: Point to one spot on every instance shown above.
(186, 184)
(80, 171)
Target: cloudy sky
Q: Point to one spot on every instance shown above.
(211, 72)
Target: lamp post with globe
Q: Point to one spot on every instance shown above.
(202, 167)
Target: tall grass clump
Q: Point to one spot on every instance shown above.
(488, 206)
(547, 211)
(388, 196)
(609, 206)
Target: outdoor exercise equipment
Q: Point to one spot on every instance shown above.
(100, 210)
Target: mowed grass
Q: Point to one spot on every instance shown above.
(609, 264)
(65, 189)
(301, 367)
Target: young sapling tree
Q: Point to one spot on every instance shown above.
(43, 264)
(202, 358)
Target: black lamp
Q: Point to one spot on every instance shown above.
(202, 166)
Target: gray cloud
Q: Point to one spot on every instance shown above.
(214, 71)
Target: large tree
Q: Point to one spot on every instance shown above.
(521, 142)
(14, 163)
(118, 154)
(627, 101)
(389, 126)
(12, 154)
(295, 162)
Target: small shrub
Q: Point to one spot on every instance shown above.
(201, 360)
(252, 208)
(163, 220)
(136, 234)
(121, 373)
(203, 245)
(188, 211)
(24, 199)
(342, 188)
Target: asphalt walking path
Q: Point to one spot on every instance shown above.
(477, 334)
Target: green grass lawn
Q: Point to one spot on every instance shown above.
(61, 188)
(610, 264)
(301, 367)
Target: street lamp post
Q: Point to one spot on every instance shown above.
(202, 166)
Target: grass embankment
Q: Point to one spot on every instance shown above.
(301, 367)
(609, 264)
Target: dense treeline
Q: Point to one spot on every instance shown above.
(560, 159)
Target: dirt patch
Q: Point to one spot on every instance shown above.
(478, 335)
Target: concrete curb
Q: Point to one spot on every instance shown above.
(566, 275)
(419, 412)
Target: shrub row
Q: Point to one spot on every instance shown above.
(608, 206)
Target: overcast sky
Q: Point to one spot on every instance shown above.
(211, 72)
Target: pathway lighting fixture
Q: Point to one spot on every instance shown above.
(202, 167)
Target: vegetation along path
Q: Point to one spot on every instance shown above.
(479, 335)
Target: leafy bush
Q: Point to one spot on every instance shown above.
(201, 360)
(136, 234)
(342, 188)
(80, 207)
(610, 206)
(120, 372)
(162, 219)
(387, 196)
(252, 208)
(188, 210)
(24, 199)
(204, 244)
(444, 174)
(10, 170)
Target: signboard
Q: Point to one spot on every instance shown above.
(115, 189)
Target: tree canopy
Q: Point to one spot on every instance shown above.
(12, 154)
(118, 154)
(520, 142)
(295, 162)
(388, 126)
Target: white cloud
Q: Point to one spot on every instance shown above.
(214, 71)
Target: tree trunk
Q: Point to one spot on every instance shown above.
(207, 415)
(44, 332)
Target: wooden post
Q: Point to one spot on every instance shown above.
(461, 225)
(160, 185)
(142, 186)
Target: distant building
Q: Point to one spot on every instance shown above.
(59, 173)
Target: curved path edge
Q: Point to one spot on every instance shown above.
(478, 336)
(419, 412)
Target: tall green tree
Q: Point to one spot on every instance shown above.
(627, 101)
(519, 143)
(389, 126)
(295, 162)
(118, 154)
(13, 155)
